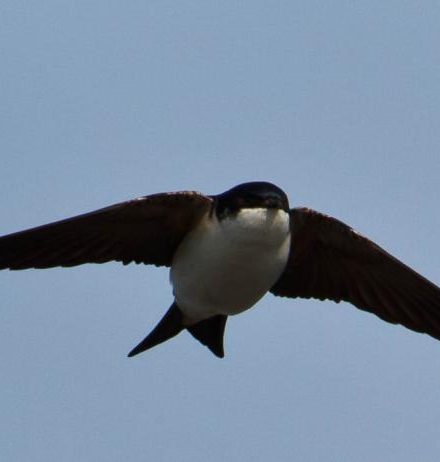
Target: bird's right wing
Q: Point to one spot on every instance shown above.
(143, 230)
(329, 260)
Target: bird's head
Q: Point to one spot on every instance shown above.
(256, 194)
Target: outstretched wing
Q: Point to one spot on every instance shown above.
(144, 230)
(329, 260)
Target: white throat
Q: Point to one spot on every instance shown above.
(225, 267)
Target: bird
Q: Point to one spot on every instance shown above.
(226, 251)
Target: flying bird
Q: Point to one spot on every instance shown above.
(226, 251)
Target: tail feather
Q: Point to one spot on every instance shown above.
(210, 333)
(169, 326)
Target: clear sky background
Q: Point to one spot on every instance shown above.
(336, 102)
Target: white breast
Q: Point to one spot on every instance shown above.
(225, 267)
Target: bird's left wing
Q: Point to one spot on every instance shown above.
(329, 260)
(143, 230)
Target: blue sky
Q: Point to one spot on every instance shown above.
(338, 103)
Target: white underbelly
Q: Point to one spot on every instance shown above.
(226, 267)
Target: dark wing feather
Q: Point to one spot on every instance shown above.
(144, 230)
(329, 260)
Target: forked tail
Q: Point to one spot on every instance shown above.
(209, 332)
